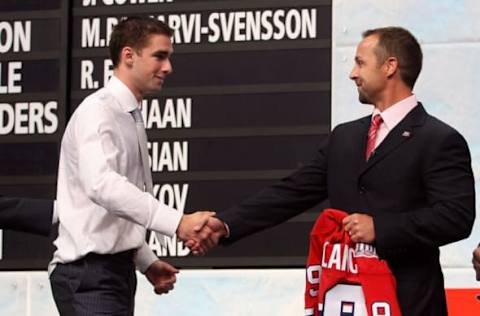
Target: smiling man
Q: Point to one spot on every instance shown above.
(102, 206)
(404, 177)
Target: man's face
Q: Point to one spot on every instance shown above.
(152, 64)
(369, 76)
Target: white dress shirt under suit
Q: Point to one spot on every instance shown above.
(101, 204)
(392, 116)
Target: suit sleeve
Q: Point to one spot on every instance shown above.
(450, 201)
(27, 215)
(289, 197)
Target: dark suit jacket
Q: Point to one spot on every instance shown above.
(28, 215)
(418, 187)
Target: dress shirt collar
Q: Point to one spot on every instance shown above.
(124, 96)
(395, 113)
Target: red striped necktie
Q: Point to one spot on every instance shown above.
(372, 134)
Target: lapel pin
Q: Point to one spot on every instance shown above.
(406, 134)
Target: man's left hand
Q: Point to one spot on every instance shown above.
(162, 276)
(360, 227)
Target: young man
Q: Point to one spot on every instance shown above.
(102, 207)
(404, 177)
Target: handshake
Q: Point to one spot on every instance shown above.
(201, 231)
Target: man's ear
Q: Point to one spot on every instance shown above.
(391, 66)
(126, 56)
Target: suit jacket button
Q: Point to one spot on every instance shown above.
(362, 190)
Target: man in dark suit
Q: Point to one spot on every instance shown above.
(27, 215)
(404, 177)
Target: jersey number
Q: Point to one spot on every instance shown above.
(348, 300)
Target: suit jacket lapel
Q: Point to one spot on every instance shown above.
(360, 138)
(397, 136)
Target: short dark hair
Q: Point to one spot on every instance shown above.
(399, 43)
(134, 32)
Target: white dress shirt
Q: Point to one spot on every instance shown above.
(392, 116)
(101, 205)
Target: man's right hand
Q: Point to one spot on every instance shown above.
(209, 236)
(191, 224)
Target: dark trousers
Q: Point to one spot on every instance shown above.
(95, 285)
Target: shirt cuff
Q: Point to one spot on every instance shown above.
(227, 229)
(165, 220)
(144, 257)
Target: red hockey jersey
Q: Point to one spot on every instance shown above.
(345, 278)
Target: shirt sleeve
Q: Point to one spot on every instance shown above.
(99, 148)
(144, 258)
